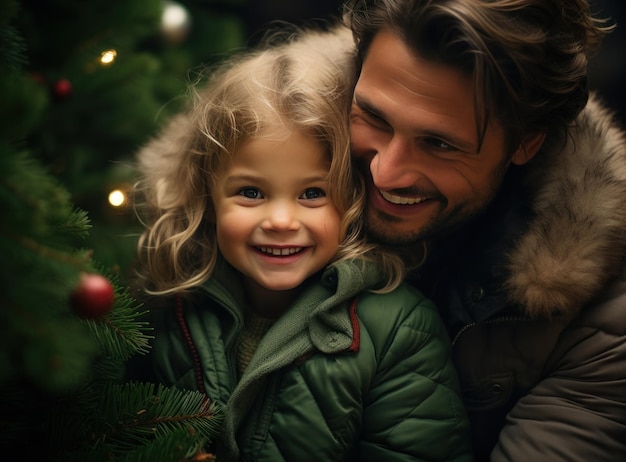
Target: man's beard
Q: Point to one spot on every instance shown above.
(380, 226)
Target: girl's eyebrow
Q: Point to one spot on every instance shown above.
(314, 178)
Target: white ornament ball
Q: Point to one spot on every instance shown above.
(175, 22)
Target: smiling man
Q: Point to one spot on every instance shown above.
(413, 126)
(474, 129)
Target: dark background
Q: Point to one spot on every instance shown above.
(607, 69)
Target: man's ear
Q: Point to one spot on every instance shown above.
(528, 148)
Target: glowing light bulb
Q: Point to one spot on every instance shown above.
(117, 198)
(107, 57)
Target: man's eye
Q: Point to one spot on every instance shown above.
(373, 118)
(369, 117)
(313, 193)
(439, 144)
(250, 193)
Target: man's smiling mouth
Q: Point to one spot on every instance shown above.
(401, 200)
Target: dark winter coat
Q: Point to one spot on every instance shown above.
(343, 375)
(534, 296)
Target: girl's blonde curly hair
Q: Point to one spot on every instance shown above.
(303, 82)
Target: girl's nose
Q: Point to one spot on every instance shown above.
(281, 217)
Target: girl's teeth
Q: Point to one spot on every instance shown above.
(280, 252)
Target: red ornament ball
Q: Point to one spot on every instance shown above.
(62, 89)
(93, 297)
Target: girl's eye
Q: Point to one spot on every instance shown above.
(250, 193)
(313, 193)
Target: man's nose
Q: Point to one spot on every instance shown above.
(396, 164)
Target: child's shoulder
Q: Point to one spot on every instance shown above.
(405, 301)
(403, 310)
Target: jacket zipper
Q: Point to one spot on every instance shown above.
(502, 319)
(197, 366)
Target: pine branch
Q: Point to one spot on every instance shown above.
(12, 46)
(136, 421)
(120, 333)
(36, 204)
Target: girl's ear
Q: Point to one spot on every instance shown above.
(528, 148)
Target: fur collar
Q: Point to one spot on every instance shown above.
(577, 240)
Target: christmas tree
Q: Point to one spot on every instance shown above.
(81, 84)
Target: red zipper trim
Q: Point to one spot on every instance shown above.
(187, 334)
(356, 329)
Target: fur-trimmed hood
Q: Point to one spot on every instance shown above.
(577, 241)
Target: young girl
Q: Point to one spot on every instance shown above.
(274, 304)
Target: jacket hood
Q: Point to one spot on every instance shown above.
(576, 241)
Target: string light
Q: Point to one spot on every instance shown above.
(117, 198)
(107, 57)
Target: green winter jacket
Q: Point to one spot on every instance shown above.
(344, 375)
